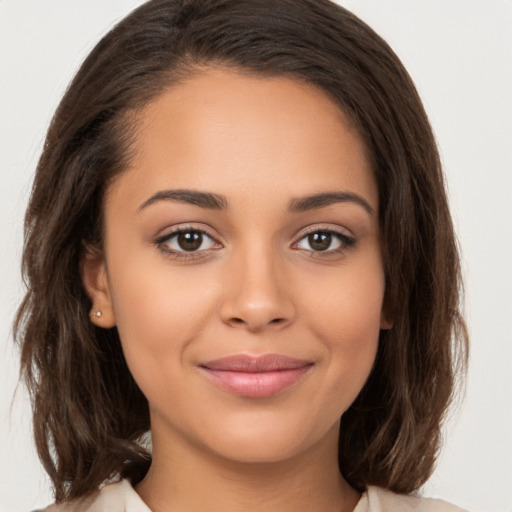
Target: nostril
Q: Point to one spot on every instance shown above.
(241, 321)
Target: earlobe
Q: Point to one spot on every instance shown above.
(95, 280)
(385, 323)
(386, 317)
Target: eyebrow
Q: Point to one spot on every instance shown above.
(201, 199)
(302, 204)
(213, 201)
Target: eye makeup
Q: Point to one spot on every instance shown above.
(189, 242)
(325, 240)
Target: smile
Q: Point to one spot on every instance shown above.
(255, 377)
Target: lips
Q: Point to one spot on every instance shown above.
(255, 377)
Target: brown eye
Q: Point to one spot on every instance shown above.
(320, 241)
(190, 240)
(186, 240)
(326, 241)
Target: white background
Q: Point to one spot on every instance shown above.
(459, 52)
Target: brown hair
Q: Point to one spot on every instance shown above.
(88, 411)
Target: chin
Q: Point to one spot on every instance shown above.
(267, 440)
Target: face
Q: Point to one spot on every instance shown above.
(242, 266)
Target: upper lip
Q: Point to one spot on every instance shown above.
(255, 364)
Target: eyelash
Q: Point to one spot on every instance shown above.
(347, 242)
(184, 255)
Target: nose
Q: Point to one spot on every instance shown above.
(257, 295)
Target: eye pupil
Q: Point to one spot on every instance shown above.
(319, 241)
(190, 240)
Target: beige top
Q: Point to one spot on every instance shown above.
(121, 497)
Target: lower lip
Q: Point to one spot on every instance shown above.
(256, 385)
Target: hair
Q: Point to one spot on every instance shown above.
(88, 412)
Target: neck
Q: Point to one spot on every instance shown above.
(190, 479)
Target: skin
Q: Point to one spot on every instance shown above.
(256, 287)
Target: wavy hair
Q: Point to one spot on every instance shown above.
(88, 412)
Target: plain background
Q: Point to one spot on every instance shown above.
(459, 52)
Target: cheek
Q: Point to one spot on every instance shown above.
(158, 313)
(346, 317)
(348, 302)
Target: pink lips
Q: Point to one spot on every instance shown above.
(255, 377)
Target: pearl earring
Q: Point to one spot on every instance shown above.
(97, 314)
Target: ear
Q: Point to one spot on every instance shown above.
(95, 279)
(386, 316)
(385, 322)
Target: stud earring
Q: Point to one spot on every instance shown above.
(97, 314)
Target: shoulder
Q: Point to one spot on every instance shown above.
(381, 500)
(111, 498)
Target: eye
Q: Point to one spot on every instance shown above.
(325, 241)
(186, 240)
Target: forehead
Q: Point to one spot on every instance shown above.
(229, 132)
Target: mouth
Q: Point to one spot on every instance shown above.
(255, 377)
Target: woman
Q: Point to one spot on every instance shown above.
(239, 239)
